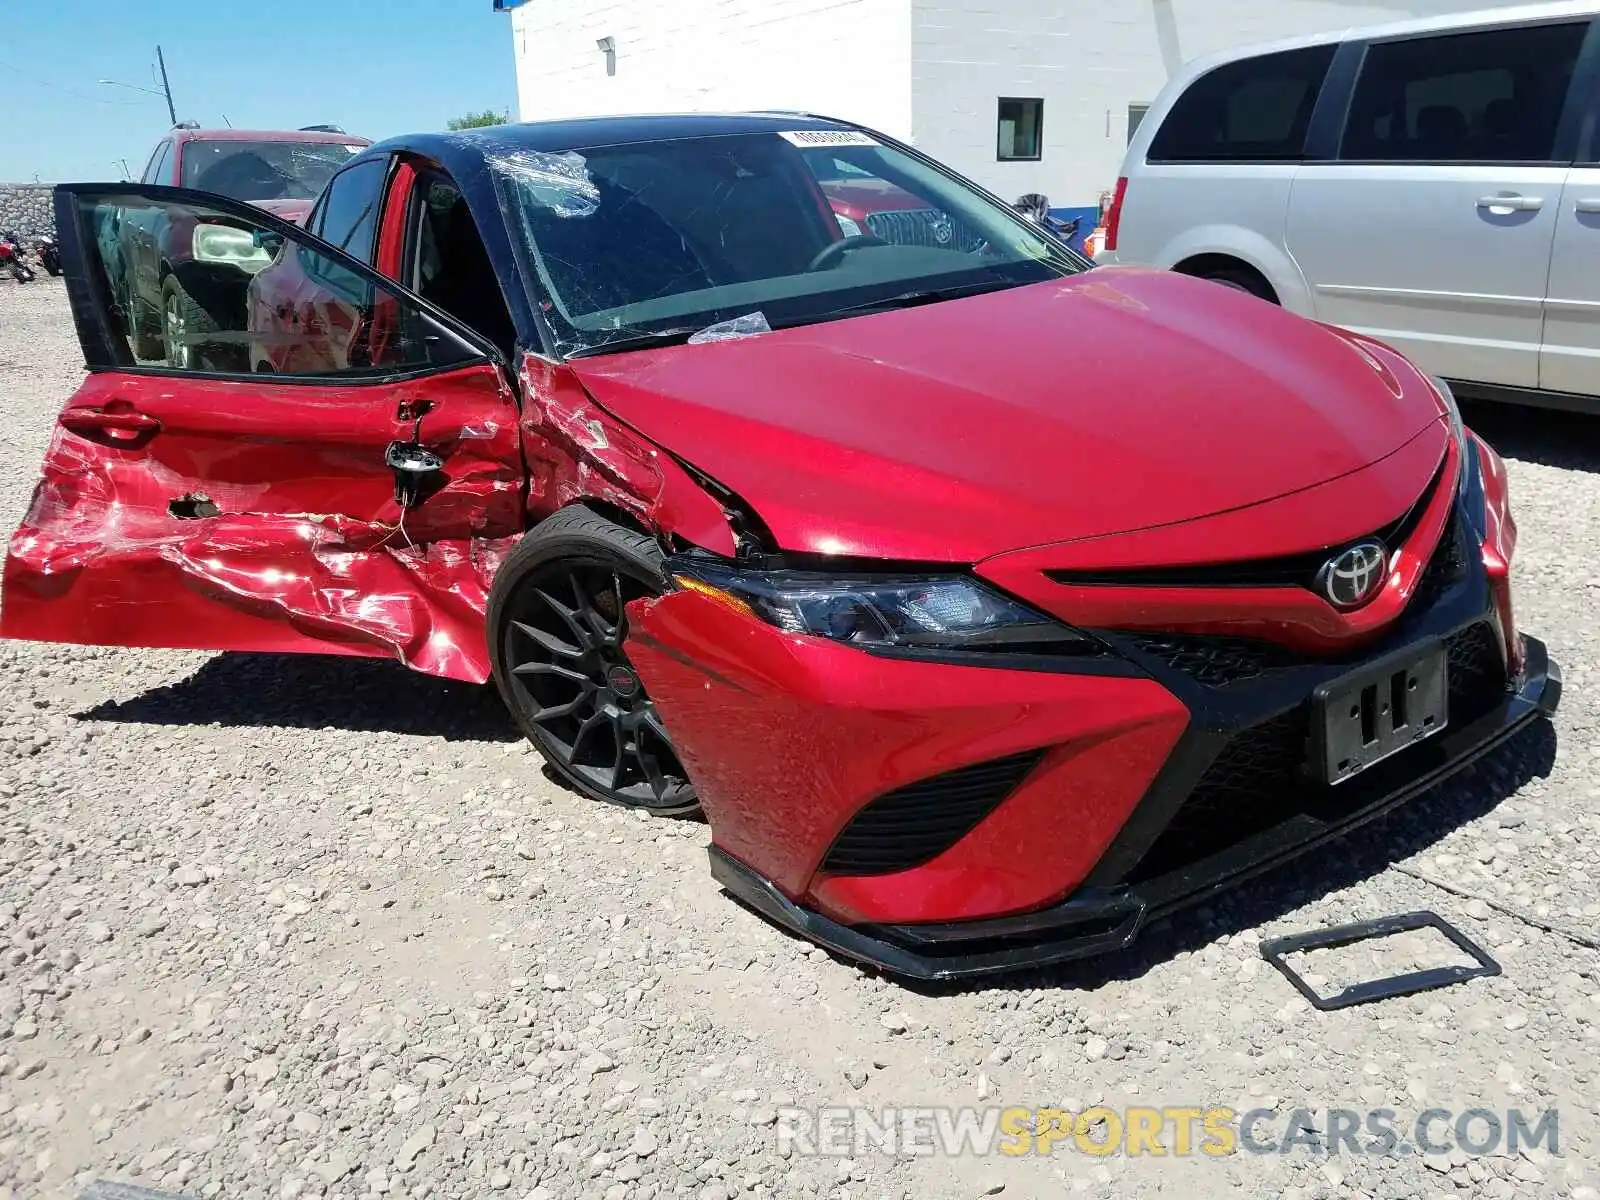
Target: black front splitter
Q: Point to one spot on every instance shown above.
(1098, 920)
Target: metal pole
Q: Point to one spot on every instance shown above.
(165, 86)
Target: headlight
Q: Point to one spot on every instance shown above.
(848, 227)
(884, 612)
(225, 244)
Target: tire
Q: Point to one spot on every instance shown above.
(1243, 280)
(183, 323)
(555, 628)
(144, 328)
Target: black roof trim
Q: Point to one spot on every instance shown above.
(581, 133)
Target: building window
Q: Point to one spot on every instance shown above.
(1136, 114)
(1021, 130)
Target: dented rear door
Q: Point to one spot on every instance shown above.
(196, 494)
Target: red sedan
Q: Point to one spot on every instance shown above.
(988, 604)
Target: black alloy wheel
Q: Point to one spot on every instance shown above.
(557, 624)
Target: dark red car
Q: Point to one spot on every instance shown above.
(280, 170)
(866, 205)
(988, 604)
(169, 287)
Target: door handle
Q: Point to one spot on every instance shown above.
(1511, 203)
(128, 422)
(1589, 204)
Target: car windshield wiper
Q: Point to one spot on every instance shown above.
(639, 341)
(680, 334)
(914, 299)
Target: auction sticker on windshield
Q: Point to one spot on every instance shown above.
(827, 137)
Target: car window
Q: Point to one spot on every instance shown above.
(275, 169)
(645, 239)
(350, 208)
(1493, 96)
(193, 288)
(1253, 110)
(448, 263)
(160, 164)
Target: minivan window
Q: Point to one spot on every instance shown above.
(1253, 110)
(1493, 96)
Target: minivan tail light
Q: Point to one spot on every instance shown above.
(1114, 215)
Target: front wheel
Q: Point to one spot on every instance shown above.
(185, 327)
(556, 625)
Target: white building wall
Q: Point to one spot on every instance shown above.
(1088, 60)
(932, 71)
(847, 58)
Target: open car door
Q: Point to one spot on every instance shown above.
(289, 453)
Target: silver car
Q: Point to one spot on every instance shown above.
(1433, 183)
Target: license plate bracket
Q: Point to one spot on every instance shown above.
(1364, 717)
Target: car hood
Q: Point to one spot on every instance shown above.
(1117, 400)
(289, 210)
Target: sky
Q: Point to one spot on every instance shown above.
(377, 68)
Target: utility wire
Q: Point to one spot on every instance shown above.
(43, 82)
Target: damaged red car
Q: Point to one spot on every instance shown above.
(988, 604)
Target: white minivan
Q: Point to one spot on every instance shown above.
(1435, 184)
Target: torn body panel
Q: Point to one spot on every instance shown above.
(304, 547)
(576, 451)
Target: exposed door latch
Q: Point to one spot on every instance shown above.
(413, 464)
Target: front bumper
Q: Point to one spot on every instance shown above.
(1100, 919)
(942, 819)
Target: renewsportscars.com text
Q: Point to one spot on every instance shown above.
(1175, 1131)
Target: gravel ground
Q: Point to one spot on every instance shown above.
(278, 927)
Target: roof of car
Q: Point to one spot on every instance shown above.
(268, 135)
(1517, 14)
(581, 133)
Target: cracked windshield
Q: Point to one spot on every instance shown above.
(707, 238)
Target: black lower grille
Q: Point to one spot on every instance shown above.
(1249, 787)
(1262, 776)
(1477, 672)
(1214, 661)
(911, 825)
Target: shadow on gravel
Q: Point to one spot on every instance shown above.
(1537, 435)
(1370, 850)
(309, 691)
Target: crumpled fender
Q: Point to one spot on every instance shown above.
(1500, 547)
(576, 450)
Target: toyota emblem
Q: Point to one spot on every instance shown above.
(1355, 575)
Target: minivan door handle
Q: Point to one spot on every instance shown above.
(1589, 204)
(1511, 203)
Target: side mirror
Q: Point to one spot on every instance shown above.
(265, 239)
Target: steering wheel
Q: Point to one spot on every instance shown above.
(831, 254)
